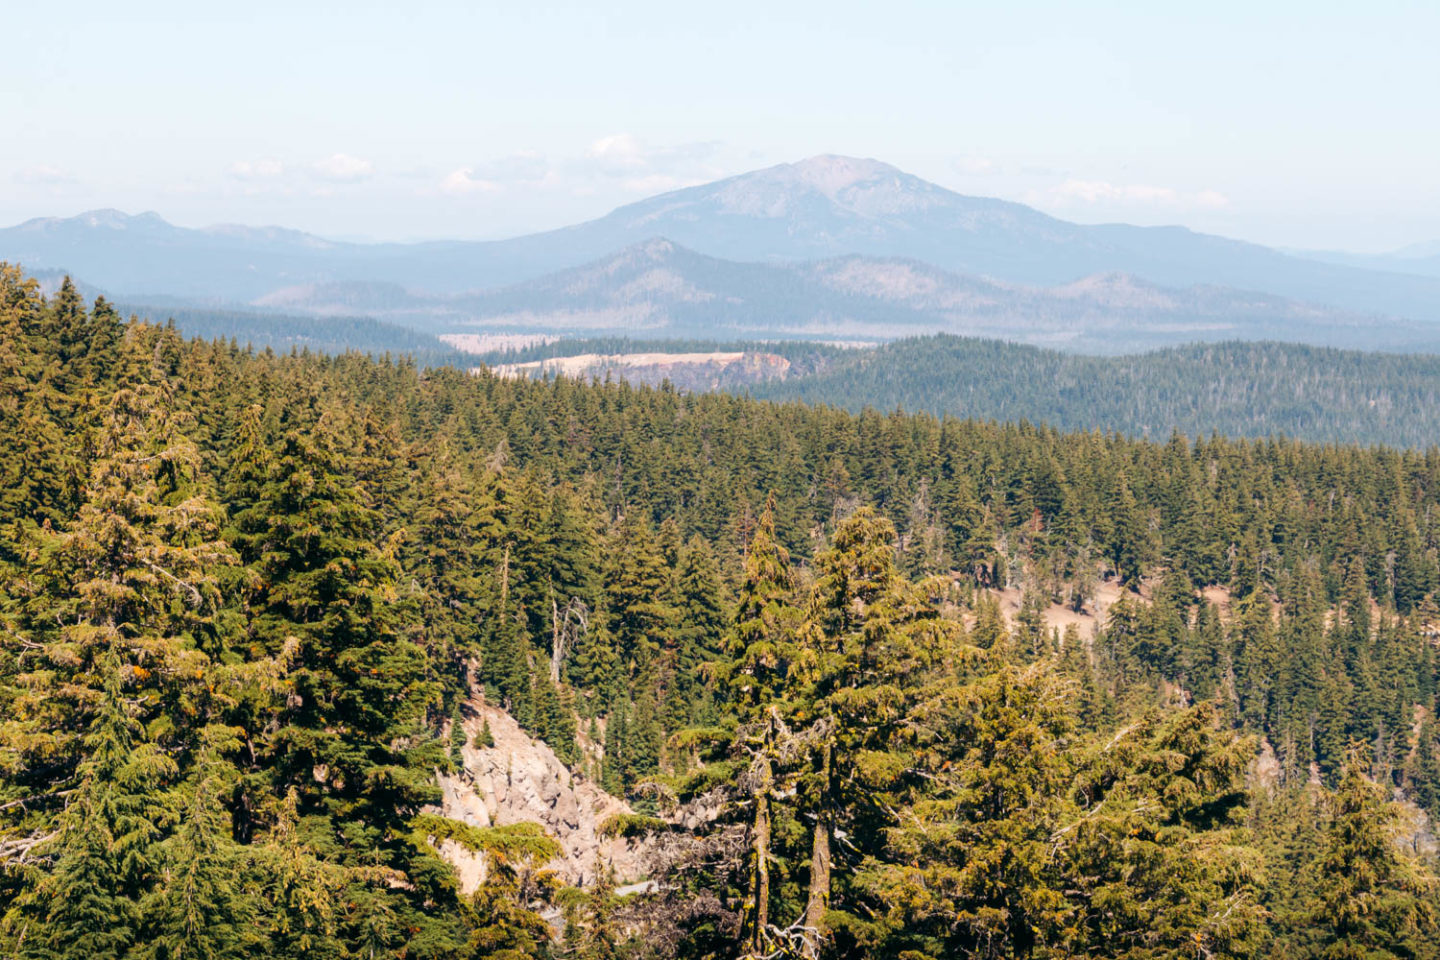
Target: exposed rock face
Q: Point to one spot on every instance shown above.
(520, 779)
(1417, 831)
(1265, 772)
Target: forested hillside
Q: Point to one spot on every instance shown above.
(1237, 389)
(243, 597)
(259, 328)
(286, 332)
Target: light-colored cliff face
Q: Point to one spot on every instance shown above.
(687, 371)
(520, 780)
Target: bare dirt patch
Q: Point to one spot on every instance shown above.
(593, 362)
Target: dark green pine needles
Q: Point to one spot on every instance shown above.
(932, 688)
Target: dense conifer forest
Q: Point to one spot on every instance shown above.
(1237, 389)
(245, 595)
(284, 332)
(1319, 394)
(279, 331)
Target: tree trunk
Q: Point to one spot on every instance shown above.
(819, 899)
(760, 875)
(557, 650)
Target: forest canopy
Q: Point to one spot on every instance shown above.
(246, 597)
(1234, 388)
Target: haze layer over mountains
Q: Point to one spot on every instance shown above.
(830, 247)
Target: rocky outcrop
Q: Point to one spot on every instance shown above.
(520, 779)
(1416, 835)
(1265, 771)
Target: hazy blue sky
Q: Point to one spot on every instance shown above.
(1295, 123)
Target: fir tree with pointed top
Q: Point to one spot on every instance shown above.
(202, 905)
(104, 849)
(458, 736)
(1373, 901)
(701, 626)
(353, 735)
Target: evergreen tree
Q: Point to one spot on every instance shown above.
(201, 906)
(642, 618)
(458, 737)
(701, 625)
(104, 848)
(1374, 902)
(1424, 774)
(759, 646)
(971, 872)
(300, 892)
(866, 638)
(352, 736)
(119, 607)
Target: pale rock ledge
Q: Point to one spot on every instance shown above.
(520, 779)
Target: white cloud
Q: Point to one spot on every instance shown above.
(256, 169)
(45, 175)
(976, 166)
(464, 180)
(619, 153)
(619, 162)
(1104, 193)
(342, 168)
(625, 156)
(492, 176)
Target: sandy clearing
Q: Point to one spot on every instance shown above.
(1088, 621)
(490, 342)
(587, 362)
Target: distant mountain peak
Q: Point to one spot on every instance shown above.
(845, 186)
(830, 173)
(1106, 280)
(1116, 288)
(106, 218)
(824, 205)
(269, 234)
(655, 248)
(113, 219)
(813, 209)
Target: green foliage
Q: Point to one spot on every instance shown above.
(309, 334)
(1374, 901)
(103, 848)
(244, 597)
(458, 736)
(633, 825)
(1318, 394)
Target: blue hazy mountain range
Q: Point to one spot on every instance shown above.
(785, 251)
(659, 289)
(1422, 259)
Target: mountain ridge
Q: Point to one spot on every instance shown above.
(671, 290)
(815, 209)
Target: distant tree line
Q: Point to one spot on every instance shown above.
(1318, 394)
(286, 332)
